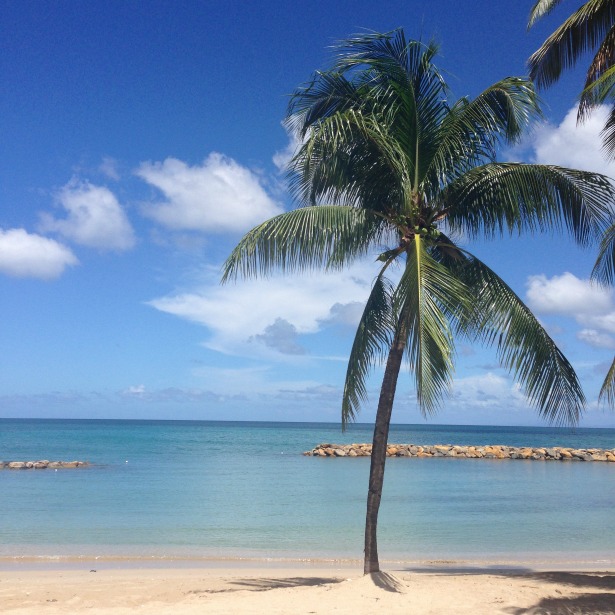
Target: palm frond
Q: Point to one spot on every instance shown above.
(305, 238)
(607, 392)
(516, 197)
(428, 298)
(379, 107)
(599, 81)
(540, 9)
(372, 340)
(327, 94)
(350, 158)
(604, 269)
(608, 134)
(596, 93)
(471, 132)
(582, 31)
(524, 348)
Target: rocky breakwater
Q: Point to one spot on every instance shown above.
(42, 464)
(555, 453)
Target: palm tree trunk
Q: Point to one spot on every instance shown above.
(379, 450)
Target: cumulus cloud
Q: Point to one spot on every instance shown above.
(596, 339)
(283, 157)
(348, 314)
(282, 336)
(235, 313)
(590, 305)
(27, 255)
(567, 295)
(217, 196)
(94, 218)
(572, 145)
(487, 390)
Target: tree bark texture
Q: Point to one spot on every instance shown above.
(379, 450)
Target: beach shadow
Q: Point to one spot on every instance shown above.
(471, 570)
(265, 584)
(383, 580)
(604, 580)
(388, 582)
(583, 604)
(587, 580)
(602, 603)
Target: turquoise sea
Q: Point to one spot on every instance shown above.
(211, 490)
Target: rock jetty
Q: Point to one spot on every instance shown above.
(556, 453)
(42, 464)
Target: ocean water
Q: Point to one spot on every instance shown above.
(201, 489)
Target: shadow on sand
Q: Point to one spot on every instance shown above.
(581, 604)
(388, 582)
(265, 584)
(382, 580)
(587, 603)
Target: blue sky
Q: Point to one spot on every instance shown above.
(141, 140)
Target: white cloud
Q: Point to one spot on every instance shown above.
(592, 306)
(567, 295)
(94, 218)
(108, 167)
(28, 255)
(572, 145)
(283, 157)
(235, 313)
(282, 336)
(137, 390)
(596, 339)
(256, 383)
(487, 391)
(345, 313)
(218, 196)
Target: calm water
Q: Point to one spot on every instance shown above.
(218, 489)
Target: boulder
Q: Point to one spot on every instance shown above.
(598, 457)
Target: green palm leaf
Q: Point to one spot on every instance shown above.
(599, 81)
(607, 392)
(540, 9)
(498, 197)
(305, 238)
(604, 269)
(371, 342)
(427, 299)
(351, 158)
(472, 130)
(498, 316)
(582, 31)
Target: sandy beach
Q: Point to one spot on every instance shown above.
(305, 590)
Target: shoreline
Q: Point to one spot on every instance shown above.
(248, 562)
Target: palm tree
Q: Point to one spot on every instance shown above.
(590, 28)
(386, 161)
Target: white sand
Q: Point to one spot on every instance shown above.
(304, 590)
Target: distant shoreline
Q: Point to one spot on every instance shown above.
(433, 426)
